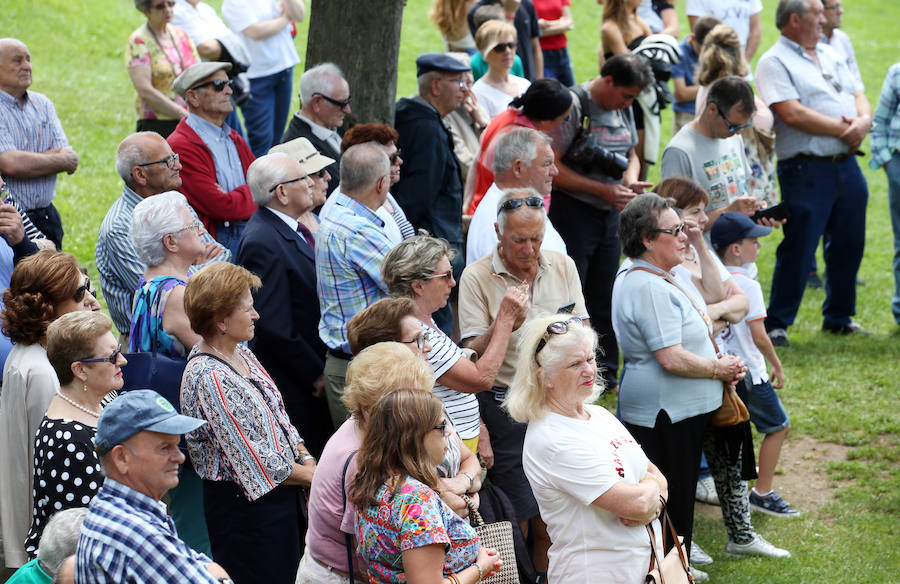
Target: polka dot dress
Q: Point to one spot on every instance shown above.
(67, 472)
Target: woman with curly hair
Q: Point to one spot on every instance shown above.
(42, 288)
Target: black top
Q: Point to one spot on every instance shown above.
(67, 472)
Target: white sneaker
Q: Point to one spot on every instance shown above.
(757, 547)
(699, 575)
(706, 491)
(698, 556)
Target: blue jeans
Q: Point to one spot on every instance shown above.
(230, 235)
(893, 174)
(825, 198)
(266, 112)
(558, 66)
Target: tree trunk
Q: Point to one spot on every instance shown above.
(362, 37)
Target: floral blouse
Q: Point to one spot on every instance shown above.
(165, 66)
(414, 517)
(249, 438)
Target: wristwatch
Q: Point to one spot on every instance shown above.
(224, 580)
(306, 456)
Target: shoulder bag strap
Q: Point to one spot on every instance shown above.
(347, 539)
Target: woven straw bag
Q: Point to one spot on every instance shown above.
(500, 537)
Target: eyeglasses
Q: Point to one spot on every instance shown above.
(217, 84)
(674, 231)
(170, 161)
(559, 327)
(448, 275)
(837, 6)
(334, 102)
(163, 5)
(111, 359)
(321, 174)
(195, 226)
(834, 82)
(512, 204)
(287, 182)
(420, 340)
(442, 427)
(461, 81)
(733, 128)
(395, 157)
(86, 287)
(501, 47)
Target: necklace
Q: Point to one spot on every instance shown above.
(228, 359)
(77, 405)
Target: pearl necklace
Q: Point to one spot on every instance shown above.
(77, 405)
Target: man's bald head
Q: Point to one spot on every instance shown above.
(140, 161)
(15, 67)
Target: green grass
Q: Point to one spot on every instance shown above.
(839, 390)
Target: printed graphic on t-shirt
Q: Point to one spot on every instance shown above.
(727, 179)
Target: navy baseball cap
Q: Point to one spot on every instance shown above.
(439, 62)
(733, 226)
(136, 411)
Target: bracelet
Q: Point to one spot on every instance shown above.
(480, 572)
(453, 578)
(471, 478)
(306, 456)
(715, 369)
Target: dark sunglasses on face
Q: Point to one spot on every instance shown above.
(674, 231)
(734, 128)
(334, 102)
(111, 359)
(321, 174)
(448, 275)
(512, 204)
(501, 47)
(86, 287)
(164, 5)
(559, 327)
(218, 85)
(395, 156)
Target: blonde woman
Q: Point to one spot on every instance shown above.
(497, 42)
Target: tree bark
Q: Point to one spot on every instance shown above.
(362, 37)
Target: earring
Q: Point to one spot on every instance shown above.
(85, 387)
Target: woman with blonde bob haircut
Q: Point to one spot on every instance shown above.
(595, 487)
(497, 42)
(405, 531)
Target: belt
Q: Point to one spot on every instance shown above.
(340, 354)
(835, 159)
(330, 568)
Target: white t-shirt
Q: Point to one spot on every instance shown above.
(271, 54)
(482, 239)
(201, 23)
(495, 101)
(734, 13)
(461, 407)
(736, 338)
(569, 463)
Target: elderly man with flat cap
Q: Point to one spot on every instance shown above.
(127, 535)
(279, 248)
(430, 190)
(214, 157)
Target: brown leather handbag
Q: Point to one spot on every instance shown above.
(673, 568)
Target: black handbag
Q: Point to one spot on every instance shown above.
(152, 370)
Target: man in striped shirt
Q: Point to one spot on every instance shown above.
(33, 146)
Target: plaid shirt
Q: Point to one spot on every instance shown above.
(350, 246)
(886, 129)
(33, 127)
(128, 537)
(786, 72)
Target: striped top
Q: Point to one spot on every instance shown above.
(128, 537)
(461, 407)
(249, 439)
(32, 127)
(350, 246)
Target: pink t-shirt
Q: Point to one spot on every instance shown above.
(328, 520)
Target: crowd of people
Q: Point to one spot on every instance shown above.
(345, 410)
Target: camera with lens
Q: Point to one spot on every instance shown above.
(586, 155)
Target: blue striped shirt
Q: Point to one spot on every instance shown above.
(32, 127)
(128, 537)
(350, 246)
(886, 129)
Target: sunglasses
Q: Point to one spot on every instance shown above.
(734, 128)
(419, 340)
(111, 359)
(163, 5)
(512, 204)
(674, 231)
(218, 85)
(169, 160)
(523, 286)
(287, 182)
(448, 275)
(334, 102)
(559, 327)
(501, 47)
(86, 287)
(395, 156)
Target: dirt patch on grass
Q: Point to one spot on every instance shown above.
(801, 478)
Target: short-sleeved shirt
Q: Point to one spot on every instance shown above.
(569, 463)
(737, 338)
(67, 472)
(840, 42)
(734, 13)
(413, 517)
(32, 127)
(270, 55)
(786, 72)
(200, 22)
(480, 295)
(652, 314)
(165, 65)
(719, 165)
(613, 130)
(685, 69)
(461, 407)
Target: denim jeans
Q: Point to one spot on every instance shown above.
(558, 66)
(230, 235)
(893, 174)
(266, 112)
(825, 198)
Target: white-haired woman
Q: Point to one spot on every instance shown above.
(595, 486)
(167, 238)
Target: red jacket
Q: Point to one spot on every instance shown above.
(198, 179)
